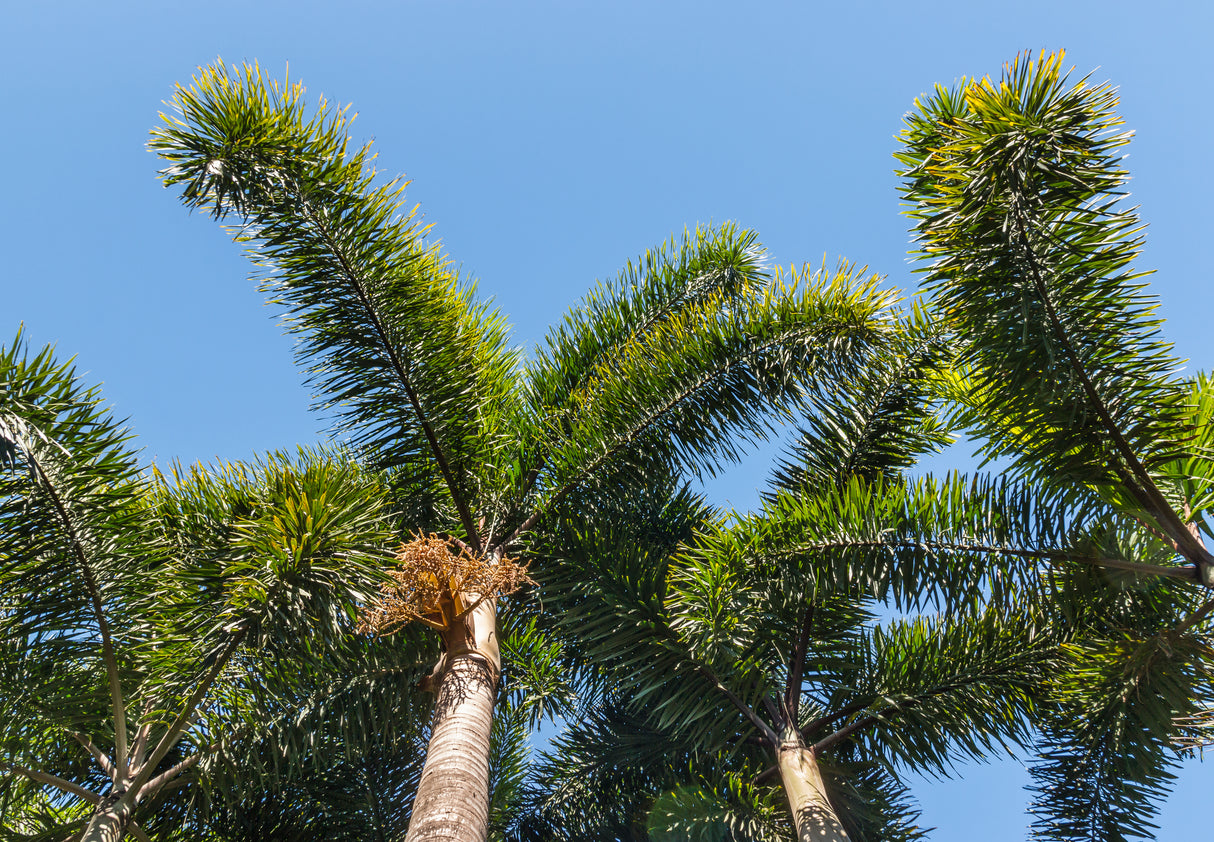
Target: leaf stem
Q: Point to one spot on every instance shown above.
(792, 691)
(766, 730)
(55, 781)
(1141, 485)
(398, 365)
(90, 582)
(178, 727)
(102, 759)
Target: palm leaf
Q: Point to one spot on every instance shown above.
(1016, 189)
(397, 347)
(878, 422)
(706, 380)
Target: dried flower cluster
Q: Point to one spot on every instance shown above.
(438, 584)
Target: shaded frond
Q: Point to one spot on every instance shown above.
(1109, 743)
(879, 421)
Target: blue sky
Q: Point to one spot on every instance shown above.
(548, 143)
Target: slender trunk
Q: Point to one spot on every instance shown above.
(452, 802)
(109, 821)
(815, 819)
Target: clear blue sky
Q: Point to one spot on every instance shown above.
(547, 143)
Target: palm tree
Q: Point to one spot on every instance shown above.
(143, 620)
(720, 658)
(356, 741)
(691, 351)
(1016, 190)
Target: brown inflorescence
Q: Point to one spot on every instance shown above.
(438, 583)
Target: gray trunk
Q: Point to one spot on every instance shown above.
(108, 823)
(812, 814)
(452, 802)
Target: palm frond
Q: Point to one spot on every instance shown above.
(700, 384)
(1109, 748)
(604, 585)
(1136, 670)
(280, 552)
(872, 803)
(729, 809)
(412, 366)
(143, 617)
(928, 541)
(706, 265)
(881, 420)
(1016, 190)
(510, 753)
(939, 690)
(271, 727)
(75, 537)
(352, 801)
(599, 777)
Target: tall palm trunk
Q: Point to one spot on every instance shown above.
(109, 821)
(452, 802)
(815, 819)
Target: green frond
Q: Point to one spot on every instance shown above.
(282, 721)
(872, 803)
(709, 266)
(282, 550)
(75, 539)
(879, 421)
(509, 762)
(414, 369)
(614, 774)
(730, 811)
(742, 620)
(1109, 743)
(687, 813)
(1188, 481)
(1015, 190)
(40, 818)
(604, 584)
(72, 527)
(206, 601)
(356, 800)
(706, 265)
(940, 690)
(714, 376)
(945, 540)
(599, 777)
(535, 670)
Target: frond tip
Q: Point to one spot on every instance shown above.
(439, 583)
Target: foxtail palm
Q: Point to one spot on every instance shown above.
(730, 657)
(1016, 188)
(691, 351)
(142, 619)
(742, 648)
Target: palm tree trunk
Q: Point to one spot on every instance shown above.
(109, 821)
(452, 802)
(815, 819)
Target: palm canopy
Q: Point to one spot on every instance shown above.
(693, 347)
(709, 646)
(670, 368)
(145, 621)
(1016, 187)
